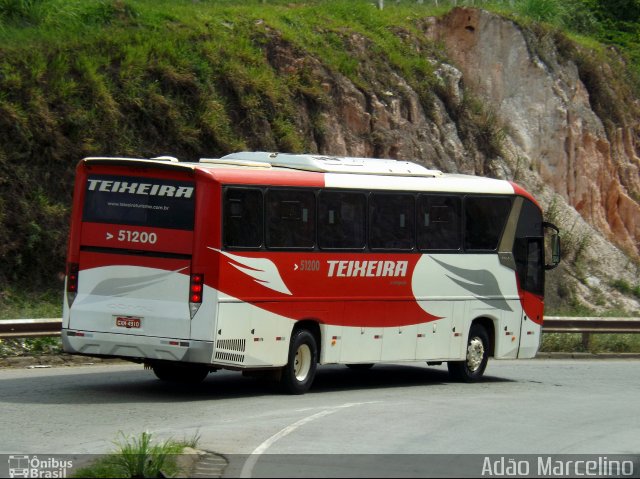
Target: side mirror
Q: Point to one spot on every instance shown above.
(556, 247)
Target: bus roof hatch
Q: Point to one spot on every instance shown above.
(335, 164)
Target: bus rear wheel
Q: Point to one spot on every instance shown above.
(299, 373)
(180, 373)
(477, 356)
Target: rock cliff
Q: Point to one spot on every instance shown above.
(550, 122)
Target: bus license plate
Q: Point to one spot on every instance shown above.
(128, 322)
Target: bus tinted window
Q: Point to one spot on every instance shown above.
(392, 221)
(341, 220)
(534, 278)
(290, 219)
(485, 218)
(439, 225)
(243, 218)
(528, 249)
(139, 201)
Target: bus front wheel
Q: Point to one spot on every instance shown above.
(477, 356)
(298, 374)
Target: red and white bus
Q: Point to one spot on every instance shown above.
(278, 262)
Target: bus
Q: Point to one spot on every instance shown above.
(19, 466)
(274, 263)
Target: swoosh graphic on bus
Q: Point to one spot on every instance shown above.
(480, 282)
(118, 287)
(262, 270)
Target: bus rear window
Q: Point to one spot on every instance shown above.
(139, 201)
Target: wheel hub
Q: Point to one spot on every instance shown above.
(475, 354)
(302, 362)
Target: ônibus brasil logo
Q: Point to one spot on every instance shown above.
(28, 466)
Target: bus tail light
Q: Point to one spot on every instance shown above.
(72, 282)
(196, 289)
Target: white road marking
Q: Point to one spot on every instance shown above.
(247, 468)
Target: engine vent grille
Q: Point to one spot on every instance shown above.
(230, 350)
(232, 344)
(229, 357)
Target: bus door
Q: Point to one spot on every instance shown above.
(531, 279)
(133, 266)
(528, 253)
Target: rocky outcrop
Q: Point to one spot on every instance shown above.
(388, 120)
(550, 124)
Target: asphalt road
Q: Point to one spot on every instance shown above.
(521, 407)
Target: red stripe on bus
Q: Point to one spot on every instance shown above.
(520, 191)
(141, 238)
(325, 289)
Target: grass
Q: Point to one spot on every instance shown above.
(30, 346)
(598, 343)
(189, 79)
(16, 304)
(139, 457)
(626, 288)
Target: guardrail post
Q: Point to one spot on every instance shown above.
(586, 338)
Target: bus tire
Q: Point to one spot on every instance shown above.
(178, 373)
(360, 367)
(299, 373)
(477, 356)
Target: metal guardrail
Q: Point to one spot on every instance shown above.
(31, 328)
(587, 326)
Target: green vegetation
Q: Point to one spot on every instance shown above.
(15, 304)
(625, 288)
(142, 78)
(139, 457)
(598, 343)
(30, 347)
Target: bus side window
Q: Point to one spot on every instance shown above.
(341, 220)
(392, 221)
(243, 218)
(291, 219)
(484, 219)
(439, 222)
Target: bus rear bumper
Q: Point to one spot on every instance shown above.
(129, 346)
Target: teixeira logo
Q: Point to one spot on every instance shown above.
(367, 269)
(137, 188)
